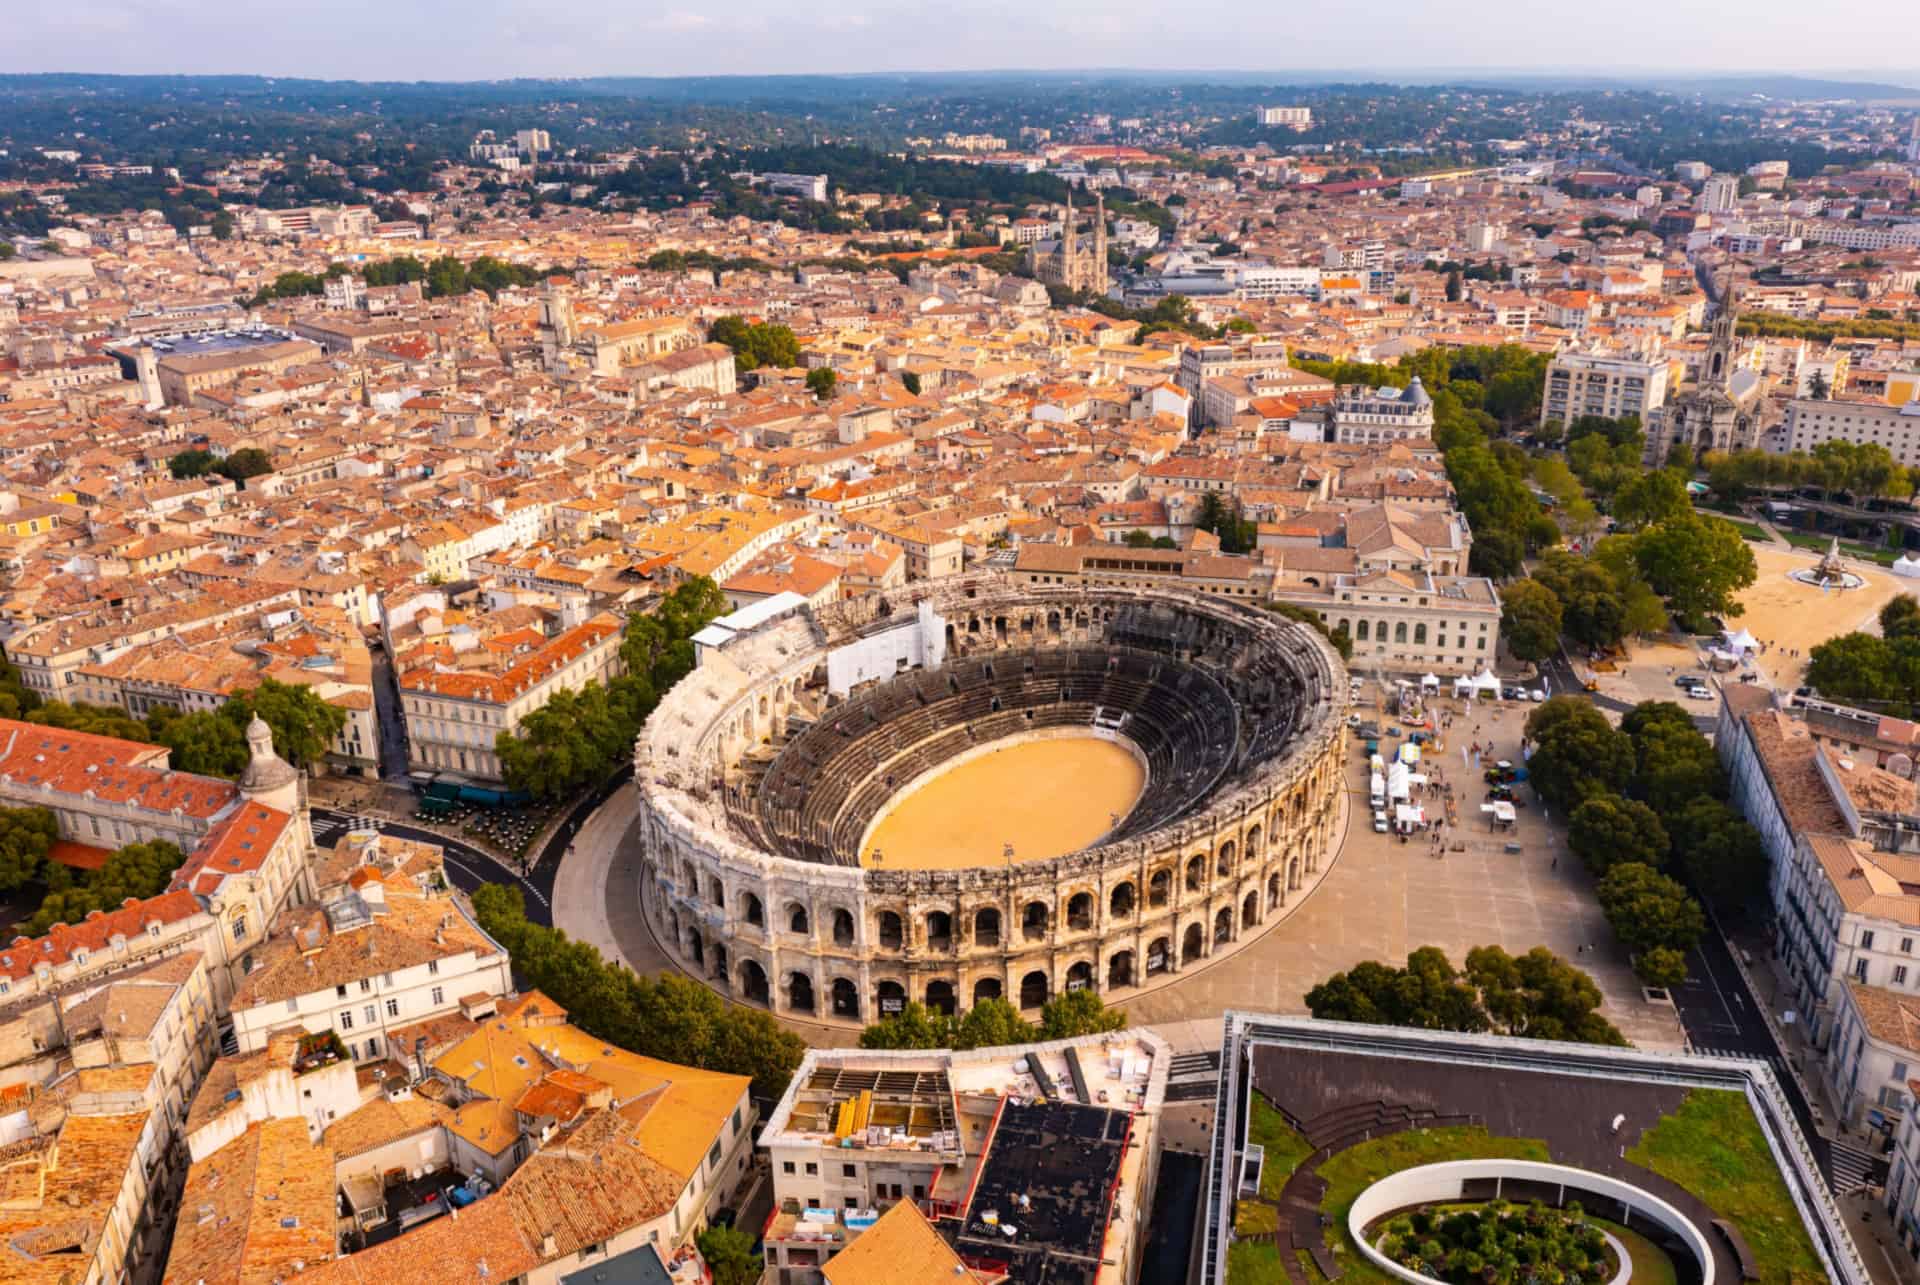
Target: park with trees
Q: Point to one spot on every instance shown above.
(669, 1016)
(1648, 817)
(1537, 995)
(579, 738)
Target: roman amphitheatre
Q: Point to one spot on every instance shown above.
(985, 789)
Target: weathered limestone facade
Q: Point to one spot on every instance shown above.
(827, 940)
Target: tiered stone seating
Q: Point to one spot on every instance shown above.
(818, 795)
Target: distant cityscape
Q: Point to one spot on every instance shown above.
(1059, 679)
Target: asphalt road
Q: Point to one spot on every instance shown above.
(467, 866)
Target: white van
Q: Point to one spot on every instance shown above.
(1378, 794)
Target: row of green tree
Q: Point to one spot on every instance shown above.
(992, 1023)
(670, 1017)
(1882, 670)
(1643, 799)
(579, 738)
(1863, 470)
(1773, 323)
(1537, 995)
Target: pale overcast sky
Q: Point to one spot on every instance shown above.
(482, 39)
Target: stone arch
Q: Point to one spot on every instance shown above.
(1080, 975)
(1193, 944)
(842, 919)
(753, 983)
(986, 926)
(751, 911)
(1196, 873)
(1119, 969)
(1293, 874)
(1159, 888)
(800, 993)
(892, 930)
(720, 972)
(1249, 910)
(1276, 895)
(1035, 990)
(846, 998)
(1080, 911)
(696, 946)
(1253, 842)
(1223, 926)
(1120, 900)
(985, 989)
(941, 998)
(798, 920)
(1159, 955)
(886, 991)
(939, 930)
(1223, 862)
(716, 892)
(1033, 920)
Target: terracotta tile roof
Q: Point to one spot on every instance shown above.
(240, 844)
(1890, 1017)
(902, 1248)
(257, 1211)
(115, 771)
(96, 932)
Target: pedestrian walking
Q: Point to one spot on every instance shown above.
(1556, 861)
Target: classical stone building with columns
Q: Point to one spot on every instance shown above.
(762, 775)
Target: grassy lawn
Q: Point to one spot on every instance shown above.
(1285, 1148)
(1253, 1218)
(1820, 543)
(1255, 1262)
(1357, 1168)
(1651, 1266)
(1745, 528)
(1712, 1147)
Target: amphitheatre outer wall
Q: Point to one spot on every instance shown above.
(830, 941)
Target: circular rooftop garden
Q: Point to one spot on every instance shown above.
(1498, 1242)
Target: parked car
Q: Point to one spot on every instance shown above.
(1685, 681)
(1538, 694)
(1353, 721)
(1513, 693)
(1379, 822)
(1700, 693)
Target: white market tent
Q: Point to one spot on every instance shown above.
(1742, 641)
(1430, 680)
(1906, 565)
(1484, 681)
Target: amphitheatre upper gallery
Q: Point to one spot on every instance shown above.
(1198, 740)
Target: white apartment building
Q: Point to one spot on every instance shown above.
(384, 954)
(1811, 421)
(454, 712)
(1854, 234)
(811, 187)
(1292, 117)
(1846, 926)
(859, 1132)
(1597, 384)
(1382, 414)
(1720, 194)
